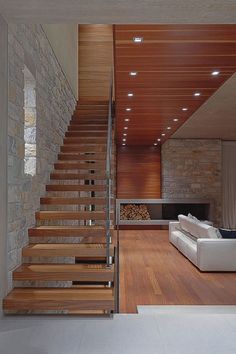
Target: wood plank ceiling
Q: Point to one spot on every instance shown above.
(174, 66)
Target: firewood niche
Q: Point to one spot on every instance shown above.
(134, 212)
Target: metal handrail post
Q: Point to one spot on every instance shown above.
(108, 175)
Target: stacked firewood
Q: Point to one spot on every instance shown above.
(134, 212)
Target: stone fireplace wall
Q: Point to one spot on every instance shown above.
(192, 168)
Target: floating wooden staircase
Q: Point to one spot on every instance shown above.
(65, 269)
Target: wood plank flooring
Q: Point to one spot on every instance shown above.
(154, 272)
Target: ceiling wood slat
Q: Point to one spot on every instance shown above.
(173, 62)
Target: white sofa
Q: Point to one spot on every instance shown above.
(200, 243)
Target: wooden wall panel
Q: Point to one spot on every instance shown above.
(95, 60)
(138, 172)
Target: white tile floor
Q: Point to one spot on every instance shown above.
(124, 334)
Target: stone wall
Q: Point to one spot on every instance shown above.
(28, 46)
(191, 168)
(3, 159)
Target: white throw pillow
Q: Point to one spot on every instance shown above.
(198, 230)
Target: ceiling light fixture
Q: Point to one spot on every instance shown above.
(155, 144)
(133, 73)
(123, 144)
(215, 73)
(163, 134)
(124, 134)
(138, 39)
(184, 109)
(128, 109)
(158, 139)
(130, 94)
(125, 128)
(196, 94)
(168, 128)
(123, 139)
(126, 119)
(175, 119)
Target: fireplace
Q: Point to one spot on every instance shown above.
(160, 211)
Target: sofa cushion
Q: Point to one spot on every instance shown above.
(198, 230)
(197, 220)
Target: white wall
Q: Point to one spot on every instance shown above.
(3, 157)
(64, 41)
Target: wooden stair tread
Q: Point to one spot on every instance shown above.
(80, 165)
(77, 176)
(59, 299)
(70, 215)
(83, 134)
(79, 157)
(67, 250)
(85, 141)
(65, 272)
(72, 201)
(83, 148)
(78, 231)
(75, 187)
(87, 127)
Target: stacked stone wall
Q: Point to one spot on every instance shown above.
(191, 168)
(29, 47)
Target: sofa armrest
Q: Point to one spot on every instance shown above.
(173, 226)
(216, 254)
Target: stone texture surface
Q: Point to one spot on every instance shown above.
(191, 168)
(54, 105)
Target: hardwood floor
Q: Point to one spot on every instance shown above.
(153, 272)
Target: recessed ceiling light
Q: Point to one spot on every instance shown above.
(123, 139)
(163, 134)
(128, 109)
(175, 119)
(130, 94)
(184, 109)
(168, 128)
(215, 73)
(196, 94)
(138, 39)
(155, 144)
(159, 139)
(126, 119)
(124, 134)
(125, 128)
(133, 73)
(123, 144)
